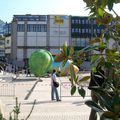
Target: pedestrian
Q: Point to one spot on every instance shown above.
(97, 80)
(54, 91)
(28, 72)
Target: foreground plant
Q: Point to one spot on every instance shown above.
(14, 114)
(108, 106)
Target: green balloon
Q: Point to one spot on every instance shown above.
(40, 62)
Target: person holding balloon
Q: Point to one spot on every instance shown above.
(54, 91)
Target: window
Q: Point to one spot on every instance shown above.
(83, 30)
(94, 21)
(86, 30)
(86, 21)
(76, 30)
(83, 21)
(89, 30)
(79, 21)
(83, 42)
(94, 30)
(42, 18)
(76, 21)
(72, 21)
(43, 28)
(73, 30)
(7, 42)
(30, 27)
(36, 27)
(20, 27)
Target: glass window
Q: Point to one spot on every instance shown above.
(76, 30)
(89, 30)
(83, 42)
(42, 18)
(83, 30)
(73, 30)
(72, 21)
(86, 21)
(94, 21)
(30, 27)
(21, 27)
(83, 21)
(36, 27)
(89, 22)
(43, 28)
(86, 30)
(76, 21)
(94, 30)
(7, 41)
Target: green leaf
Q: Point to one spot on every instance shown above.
(105, 99)
(117, 38)
(71, 50)
(95, 58)
(110, 4)
(89, 48)
(84, 79)
(107, 36)
(117, 71)
(108, 65)
(65, 49)
(81, 92)
(72, 72)
(73, 89)
(76, 79)
(64, 62)
(100, 12)
(94, 69)
(103, 45)
(94, 105)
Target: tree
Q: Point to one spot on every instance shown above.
(109, 58)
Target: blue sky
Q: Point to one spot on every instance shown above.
(9, 8)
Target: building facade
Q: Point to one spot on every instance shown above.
(2, 48)
(83, 30)
(58, 32)
(8, 48)
(32, 32)
(1, 27)
(7, 29)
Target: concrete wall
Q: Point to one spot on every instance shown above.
(59, 33)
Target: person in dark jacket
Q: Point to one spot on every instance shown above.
(97, 80)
